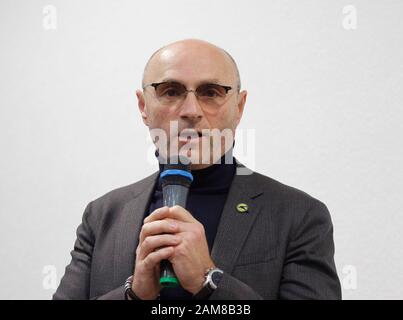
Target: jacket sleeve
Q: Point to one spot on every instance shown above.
(231, 288)
(75, 284)
(309, 269)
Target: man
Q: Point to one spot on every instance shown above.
(240, 237)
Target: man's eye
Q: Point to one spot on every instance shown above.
(171, 92)
(210, 93)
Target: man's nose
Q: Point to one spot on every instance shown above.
(190, 107)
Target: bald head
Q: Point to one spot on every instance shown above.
(188, 52)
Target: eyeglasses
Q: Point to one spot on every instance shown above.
(172, 93)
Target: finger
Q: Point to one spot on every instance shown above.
(175, 212)
(159, 227)
(157, 211)
(151, 243)
(155, 257)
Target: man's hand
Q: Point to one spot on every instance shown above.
(190, 257)
(172, 234)
(157, 242)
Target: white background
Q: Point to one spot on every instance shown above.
(325, 103)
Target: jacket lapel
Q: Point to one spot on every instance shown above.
(234, 224)
(129, 228)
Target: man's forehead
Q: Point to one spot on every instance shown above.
(193, 62)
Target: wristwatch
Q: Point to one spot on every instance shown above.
(212, 278)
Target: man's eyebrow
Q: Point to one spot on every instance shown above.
(212, 80)
(215, 81)
(170, 80)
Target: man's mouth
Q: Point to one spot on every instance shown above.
(189, 135)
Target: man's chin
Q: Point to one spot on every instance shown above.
(195, 156)
(198, 159)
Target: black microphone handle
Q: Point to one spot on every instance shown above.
(172, 195)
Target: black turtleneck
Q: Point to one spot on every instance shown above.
(207, 195)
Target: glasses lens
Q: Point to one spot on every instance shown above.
(211, 90)
(211, 94)
(169, 92)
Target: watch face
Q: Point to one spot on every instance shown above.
(216, 277)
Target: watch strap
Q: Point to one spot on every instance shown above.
(207, 289)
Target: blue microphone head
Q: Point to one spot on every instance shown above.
(176, 172)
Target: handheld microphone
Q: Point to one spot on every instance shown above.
(175, 180)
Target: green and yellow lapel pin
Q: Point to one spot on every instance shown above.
(242, 207)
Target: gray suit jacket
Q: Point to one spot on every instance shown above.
(281, 248)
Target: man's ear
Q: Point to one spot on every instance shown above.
(241, 104)
(142, 106)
